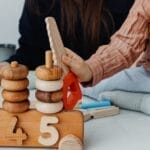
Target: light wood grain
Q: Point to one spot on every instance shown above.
(70, 142)
(69, 122)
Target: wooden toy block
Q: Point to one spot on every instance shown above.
(34, 129)
(99, 112)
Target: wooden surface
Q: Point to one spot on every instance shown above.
(28, 128)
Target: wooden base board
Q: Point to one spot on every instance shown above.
(34, 129)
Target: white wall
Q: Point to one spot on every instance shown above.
(10, 11)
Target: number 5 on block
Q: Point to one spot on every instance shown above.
(46, 128)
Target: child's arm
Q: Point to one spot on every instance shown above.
(125, 46)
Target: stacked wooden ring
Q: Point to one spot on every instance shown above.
(49, 87)
(14, 83)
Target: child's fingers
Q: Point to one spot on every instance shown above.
(68, 61)
(72, 55)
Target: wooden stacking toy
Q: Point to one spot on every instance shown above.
(62, 131)
(49, 125)
(14, 83)
(49, 86)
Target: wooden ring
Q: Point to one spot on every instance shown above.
(14, 71)
(49, 86)
(49, 108)
(48, 97)
(18, 107)
(15, 96)
(14, 85)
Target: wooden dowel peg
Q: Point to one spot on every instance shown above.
(48, 59)
(14, 64)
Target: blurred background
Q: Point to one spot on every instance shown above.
(10, 11)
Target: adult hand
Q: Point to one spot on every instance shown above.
(77, 66)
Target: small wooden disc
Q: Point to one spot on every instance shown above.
(70, 142)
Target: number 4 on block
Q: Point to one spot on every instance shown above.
(15, 134)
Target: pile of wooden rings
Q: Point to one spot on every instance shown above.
(49, 87)
(14, 83)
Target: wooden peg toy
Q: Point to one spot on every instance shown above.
(35, 129)
(14, 83)
(48, 83)
(49, 125)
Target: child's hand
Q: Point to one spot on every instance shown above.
(77, 66)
